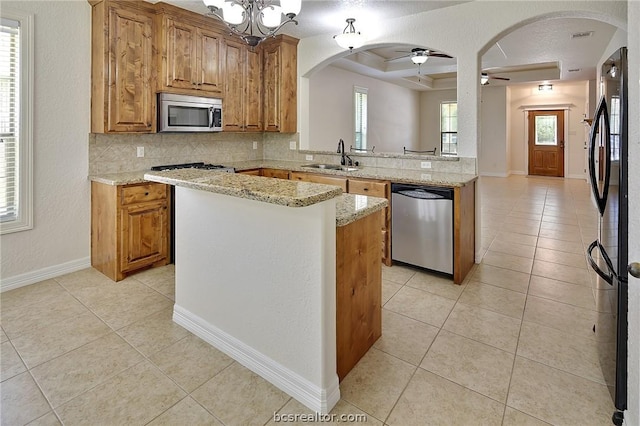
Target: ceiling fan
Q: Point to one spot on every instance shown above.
(485, 77)
(419, 55)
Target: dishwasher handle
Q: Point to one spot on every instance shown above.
(422, 192)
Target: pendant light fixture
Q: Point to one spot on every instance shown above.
(350, 38)
(254, 20)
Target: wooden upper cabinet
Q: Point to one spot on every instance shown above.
(122, 80)
(189, 58)
(280, 84)
(242, 103)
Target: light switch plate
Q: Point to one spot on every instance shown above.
(255, 145)
(425, 164)
(140, 151)
(292, 145)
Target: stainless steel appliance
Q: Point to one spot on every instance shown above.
(422, 226)
(608, 255)
(201, 165)
(182, 113)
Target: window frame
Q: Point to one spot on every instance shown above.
(358, 90)
(24, 218)
(443, 133)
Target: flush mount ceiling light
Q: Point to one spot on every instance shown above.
(254, 20)
(545, 87)
(350, 38)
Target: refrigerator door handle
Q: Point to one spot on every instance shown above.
(602, 111)
(608, 277)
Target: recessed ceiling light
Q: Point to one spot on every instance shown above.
(582, 34)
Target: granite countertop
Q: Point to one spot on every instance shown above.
(418, 177)
(350, 208)
(275, 191)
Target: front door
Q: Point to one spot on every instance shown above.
(546, 143)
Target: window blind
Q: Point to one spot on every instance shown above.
(360, 118)
(9, 118)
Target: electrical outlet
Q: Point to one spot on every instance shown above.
(255, 145)
(425, 176)
(308, 157)
(425, 164)
(140, 151)
(292, 145)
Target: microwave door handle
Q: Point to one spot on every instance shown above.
(211, 117)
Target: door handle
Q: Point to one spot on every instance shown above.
(634, 269)
(562, 144)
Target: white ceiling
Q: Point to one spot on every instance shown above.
(540, 51)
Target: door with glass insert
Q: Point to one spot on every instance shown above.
(546, 143)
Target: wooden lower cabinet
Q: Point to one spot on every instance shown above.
(275, 173)
(358, 290)
(464, 231)
(318, 178)
(381, 189)
(130, 227)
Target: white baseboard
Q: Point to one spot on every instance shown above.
(320, 400)
(49, 272)
(490, 174)
(517, 172)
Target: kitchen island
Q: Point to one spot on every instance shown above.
(256, 273)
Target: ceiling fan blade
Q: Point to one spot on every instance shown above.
(499, 78)
(439, 55)
(399, 57)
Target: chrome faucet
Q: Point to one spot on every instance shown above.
(345, 159)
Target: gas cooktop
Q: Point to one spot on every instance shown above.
(205, 166)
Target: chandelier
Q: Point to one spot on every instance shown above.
(350, 38)
(254, 20)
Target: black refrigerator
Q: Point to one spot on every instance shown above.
(608, 255)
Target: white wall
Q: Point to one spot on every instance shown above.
(393, 112)
(494, 146)
(573, 94)
(60, 239)
(430, 116)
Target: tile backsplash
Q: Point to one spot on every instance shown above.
(114, 153)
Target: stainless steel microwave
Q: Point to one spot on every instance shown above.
(182, 113)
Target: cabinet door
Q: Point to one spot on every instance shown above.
(253, 92)
(130, 96)
(181, 55)
(144, 234)
(209, 54)
(234, 70)
(271, 88)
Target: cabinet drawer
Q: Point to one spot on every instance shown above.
(367, 187)
(327, 180)
(275, 173)
(142, 193)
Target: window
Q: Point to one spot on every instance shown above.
(546, 130)
(360, 98)
(614, 122)
(16, 59)
(449, 127)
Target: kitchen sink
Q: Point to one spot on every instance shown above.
(331, 167)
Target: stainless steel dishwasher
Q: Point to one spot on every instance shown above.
(422, 226)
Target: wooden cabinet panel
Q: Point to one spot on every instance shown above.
(464, 231)
(123, 85)
(242, 88)
(143, 234)
(190, 57)
(130, 227)
(280, 84)
(358, 291)
(252, 172)
(315, 178)
(275, 173)
(380, 189)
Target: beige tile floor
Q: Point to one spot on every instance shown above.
(513, 345)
